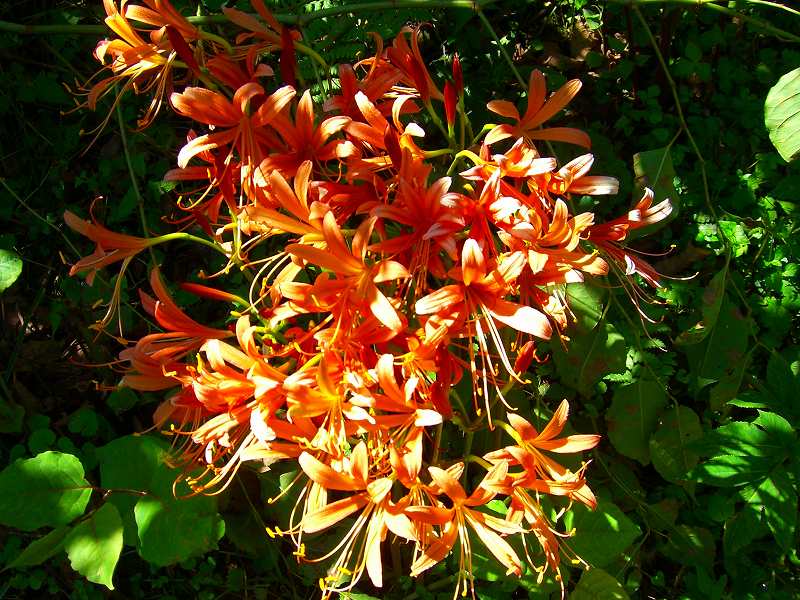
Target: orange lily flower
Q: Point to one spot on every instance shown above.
(538, 111)
(379, 515)
(305, 141)
(239, 125)
(454, 521)
(111, 246)
(543, 472)
(358, 279)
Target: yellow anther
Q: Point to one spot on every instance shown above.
(269, 531)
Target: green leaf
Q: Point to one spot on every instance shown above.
(595, 348)
(40, 550)
(669, 450)
(48, 490)
(10, 269)
(777, 500)
(653, 169)
(738, 439)
(691, 546)
(633, 416)
(729, 471)
(729, 384)
(725, 347)
(94, 545)
(782, 115)
(596, 584)
(740, 530)
(173, 530)
(783, 377)
(603, 534)
(778, 428)
(712, 302)
(165, 529)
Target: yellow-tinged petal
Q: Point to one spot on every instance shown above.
(334, 512)
(473, 263)
(439, 300)
(522, 318)
(448, 484)
(501, 549)
(436, 551)
(556, 423)
(504, 108)
(325, 476)
(273, 105)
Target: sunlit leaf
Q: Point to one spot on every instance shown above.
(10, 269)
(47, 490)
(782, 115)
(94, 545)
(603, 534)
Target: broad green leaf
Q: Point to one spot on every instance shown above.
(669, 450)
(633, 416)
(777, 500)
(729, 384)
(172, 530)
(653, 169)
(738, 439)
(712, 302)
(783, 378)
(724, 348)
(740, 530)
(595, 348)
(782, 115)
(94, 545)
(40, 550)
(10, 269)
(165, 529)
(131, 463)
(603, 534)
(728, 470)
(596, 584)
(48, 490)
(690, 546)
(778, 428)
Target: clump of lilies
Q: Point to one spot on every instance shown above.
(383, 275)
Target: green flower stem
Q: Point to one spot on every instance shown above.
(505, 54)
(136, 191)
(679, 110)
(289, 19)
(712, 5)
(435, 153)
(471, 458)
(188, 237)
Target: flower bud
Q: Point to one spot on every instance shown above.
(450, 104)
(458, 76)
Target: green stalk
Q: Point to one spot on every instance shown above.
(289, 19)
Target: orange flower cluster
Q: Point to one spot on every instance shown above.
(377, 282)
